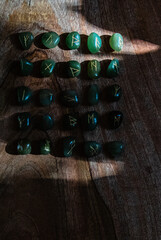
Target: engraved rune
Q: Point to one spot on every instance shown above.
(97, 43)
(74, 71)
(25, 40)
(74, 40)
(116, 119)
(93, 150)
(49, 38)
(69, 99)
(91, 118)
(48, 67)
(73, 121)
(94, 65)
(116, 67)
(71, 147)
(120, 42)
(117, 88)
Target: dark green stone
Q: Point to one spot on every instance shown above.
(116, 42)
(50, 39)
(23, 147)
(94, 69)
(26, 39)
(46, 97)
(23, 120)
(94, 42)
(45, 122)
(47, 67)
(115, 148)
(115, 119)
(69, 98)
(23, 95)
(26, 67)
(45, 147)
(93, 94)
(113, 68)
(90, 120)
(73, 69)
(92, 148)
(73, 40)
(68, 146)
(71, 121)
(114, 92)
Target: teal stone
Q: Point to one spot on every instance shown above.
(90, 120)
(23, 147)
(26, 39)
(93, 94)
(73, 69)
(26, 67)
(23, 120)
(23, 95)
(69, 98)
(94, 69)
(94, 42)
(46, 97)
(50, 39)
(71, 121)
(46, 122)
(114, 92)
(116, 42)
(69, 144)
(92, 148)
(45, 147)
(113, 68)
(47, 67)
(73, 40)
(115, 119)
(115, 148)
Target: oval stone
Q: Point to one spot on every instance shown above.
(69, 144)
(71, 121)
(115, 148)
(69, 98)
(23, 95)
(116, 42)
(73, 40)
(90, 120)
(23, 147)
(23, 120)
(45, 147)
(73, 69)
(93, 94)
(50, 39)
(47, 67)
(115, 119)
(26, 39)
(92, 148)
(46, 97)
(26, 67)
(113, 68)
(45, 122)
(94, 69)
(114, 92)
(94, 42)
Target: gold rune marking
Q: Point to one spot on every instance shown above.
(94, 65)
(120, 42)
(25, 40)
(73, 121)
(74, 71)
(50, 37)
(93, 150)
(71, 147)
(116, 66)
(97, 43)
(48, 67)
(91, 117)
(117, 88)
(116, 119)
(69, 99)
(74, 40)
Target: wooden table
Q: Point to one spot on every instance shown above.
(49, 197)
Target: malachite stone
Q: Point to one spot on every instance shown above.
(115, 119)
(90, 120)
(69, 144)
(113, 68)
(116, 42)
(46, 97)
(73, 40)
(50, 39)
(94, 42)
(92, 148)
(73, 69)
(23, 147)
(71, 121)
(115, 148)
(47, 67)
(45, 147)
(93, 94)
(69, 98)
(23, 95)
(23, 120)
(26, 39)
(94, 69)
(46, 122)
(114, 92)
(26, 67)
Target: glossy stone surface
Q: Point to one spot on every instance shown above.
(113, 68)
(26, 67)
(26, 39)
(94, 42)
(50, 39)
(94, 69)
(92, 148)
(23, 147)
(73, 40)
(115, 148)
(116, 42)
(69, 144)
(114, 93)
(46, 97)
(45, 122)
(90, 120)
(45, 147)
(70, 121)
(47, 67)
(69, 98)
(73, 69)
(23, 120)
(115, 119)
(23, 95)
(93, 94)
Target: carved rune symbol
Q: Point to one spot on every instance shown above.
(91, 118)
(49, 38)
(69, 99)
(94, 65)
(74, 71)
(116, 67)
(97, 43)
(117, 88)
(93, 150)
(25, 40)
(48, 67)
(120, 42)
(116, 120)
(73, 121)
(71, 147)
(74, 40)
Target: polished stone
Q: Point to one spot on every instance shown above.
(45, 147)
(71, 121)
(93, 94)
(94, 69)
(73, 40)
(113, 68)
(116, 42)
(23, 147)
(26, 67)
(47, 67)
(23, 120)
(115, 148)
(69, 144)
(94, 42)
(69, 98)
(46, 97)
(45, 122)
(23, 95)
(26, 39)
(73, 69)
(90, 120)
(92, 148)
(114, 93)
(50, 39)
(115, 119)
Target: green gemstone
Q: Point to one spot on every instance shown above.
(90, 120)
(71, 121)
(23, 147)
(23, 120)
(115, 119)
(50, 39)
(116, 42)
(45, 147)
(94, 42)
(46, 97)
(93, 94)
(115, 148)
(47, 67)
(94, 69)
(45, 122)
(26, 67)
(68, 146)
(70, 98)
(92, 148)
(73, 40)
(26, 39)
(113, 68)
(73, 69)
(23, 95)
(114, 92)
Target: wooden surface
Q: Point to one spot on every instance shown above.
(48, 197)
